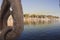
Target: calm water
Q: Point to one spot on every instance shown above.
(41, 32)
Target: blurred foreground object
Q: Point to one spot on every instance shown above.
(8, 32)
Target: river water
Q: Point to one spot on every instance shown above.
(49, 31)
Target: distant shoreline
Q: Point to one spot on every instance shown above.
(36, 19)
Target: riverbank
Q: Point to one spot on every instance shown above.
(36, 19)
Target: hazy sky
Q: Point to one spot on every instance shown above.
(49, 6)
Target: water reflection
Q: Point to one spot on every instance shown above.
(39, 22)
(43, 31)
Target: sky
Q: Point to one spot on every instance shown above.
(50, 7)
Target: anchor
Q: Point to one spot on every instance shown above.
(10, 33)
